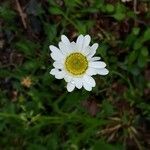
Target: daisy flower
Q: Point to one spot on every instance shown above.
(75, 62)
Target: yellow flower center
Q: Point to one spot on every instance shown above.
(76, 64)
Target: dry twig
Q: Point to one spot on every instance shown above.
(135, 7)
(22, 14)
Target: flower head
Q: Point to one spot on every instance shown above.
(75, 62)
(26, 81)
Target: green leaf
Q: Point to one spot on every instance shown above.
(143, 57)
(144, 51)
(82, 29)
(136, 30)
(50, 31)
(120, 8)
(53, 141)
(110, 8)
(102, 50)
(132, 56)
(55, 11)
(142, 61)
(89, 10)
(107, 108)
(101, 145)
(138, 44)
(6, 13)
(147, 35)
(26, 46)
(31, 65)
(36, 146)
(134, 69)
(72, 4)
(119, 16)
(120, 12)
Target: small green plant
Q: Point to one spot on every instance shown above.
(37, 112)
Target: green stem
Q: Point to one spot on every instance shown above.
(127, 80)
(6, 115)
(69, 20)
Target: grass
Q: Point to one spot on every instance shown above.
(36, 111)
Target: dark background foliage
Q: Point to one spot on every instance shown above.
(36, 111)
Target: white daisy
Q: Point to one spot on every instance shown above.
(75, 62)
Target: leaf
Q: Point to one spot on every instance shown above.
(72, 4)
(36, 146)
(110, 8)
(53, 141)
(6, 13)
(105, 146)
(55, 11)
(132, 56)
(31, 65)
(144, 51)
(120, 8)
(138, 44)
(134, 69)
(89, 10)
(102, 50)
(130, 39)
(82, 29)
(73, 100)
(136, 30)
(107, 108)
(119, 16)
(143, 59)
(26, 46)
(50, 31)
(147, 35)
(120, 12)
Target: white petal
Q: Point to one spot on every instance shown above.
(70, 87)
(56, 53)
(53, 48)
(67, 78)
(87, 86)
(91, 71)
(65, 40)
(57, 56)
(78, 82)
(89, 80)
(93, 49)
(60, 75)
(53, 71)
(64, 48)
(87, 40)
(97, 64)
(73, 47)
(58, 65)
(95, 58)
(86, 48)
(103, 71)
(86, 51)
(94, 46)
(79, 41)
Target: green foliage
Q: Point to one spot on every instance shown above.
(27, 47)
(6, 13)
(36, 111)
(104, 145)
(120, 12)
